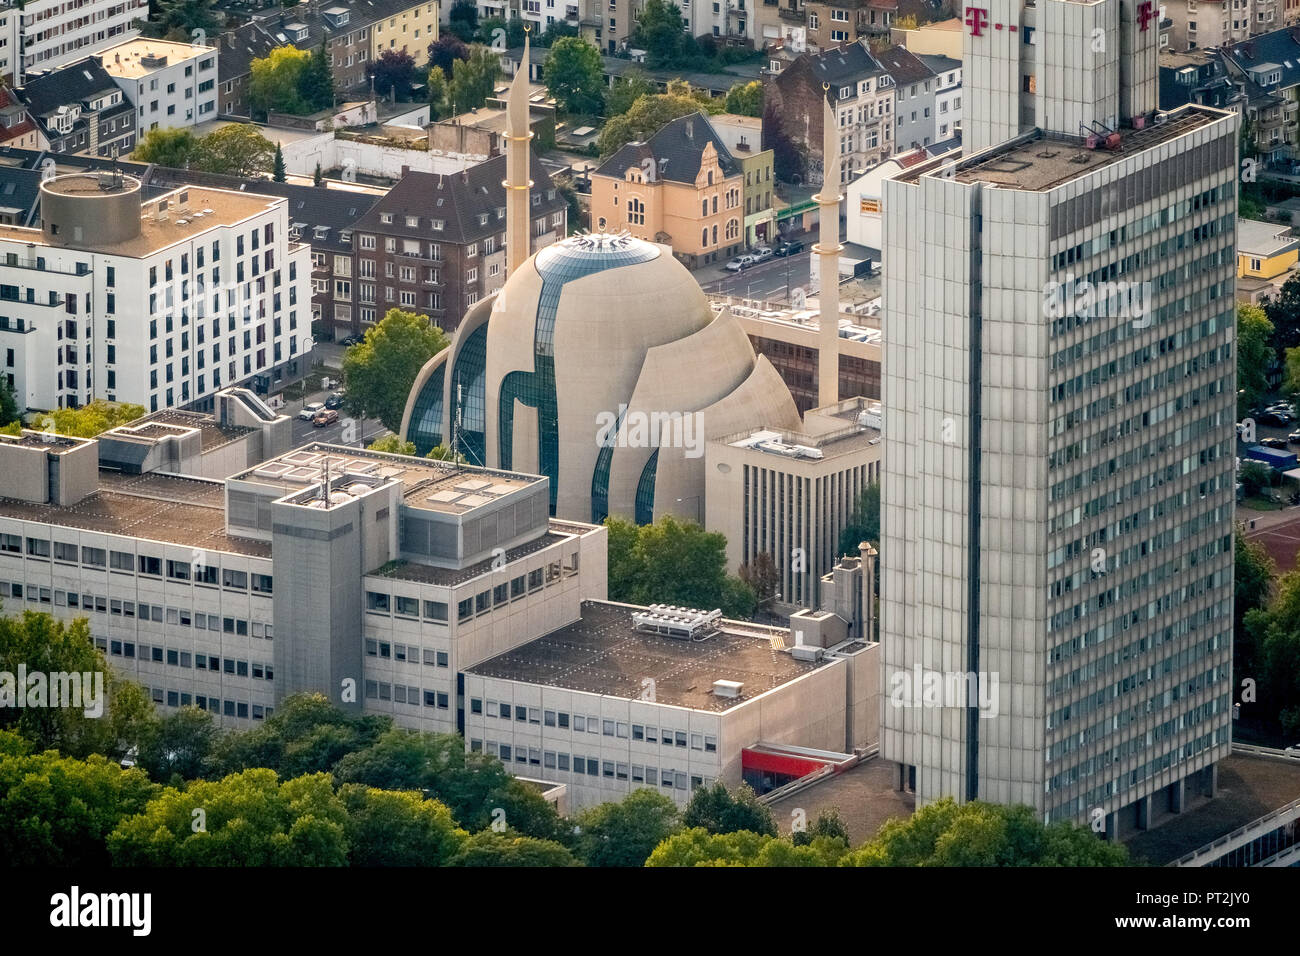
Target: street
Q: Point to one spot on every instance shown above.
(769, 280)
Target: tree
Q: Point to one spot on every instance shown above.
(1253, 573)
(572, 73)
(1283, 310)
(719, 810)
(180, 18)
(983, 834)
(828, 825)
(318, 177)
(378, 372)
(277, 165)
(746, 99)
(556, 31)
(626, 90)
(474, 79)
(393, 72)
(276, 81)
(439, 105)
(248, 819)
(445, 52)
(674, 562)
(659, 32)
(235, 150)
(59, 811)
(177, 744)
(113, 713)
(463, 19)
(761, 575)
(511, 35)
(1254, 477)
(1254, 331)
(386, 828)
(645, 118)
(306, 734)
(89, 420)
(1274, 635)
(1291, 379)
(443, 453)
(864, 521)
(625, 833)
(9, 411)
(317, 81)
(699, 847)
(499, 849)
(173, 148)
(401, 759)
(392, 445)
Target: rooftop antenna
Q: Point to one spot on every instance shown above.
(325, 482)
(455, 426)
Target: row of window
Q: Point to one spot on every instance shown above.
(148, 565)
(215, 705)
(407, 653)
(117, 607)
(153, 654)
(378, 602)
(666, 777)
(404, 694)
(582, 723)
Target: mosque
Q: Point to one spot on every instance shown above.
(601, 365)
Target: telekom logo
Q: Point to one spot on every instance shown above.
(1145, 14)
(977, 18)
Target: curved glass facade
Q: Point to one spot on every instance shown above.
(557, 265)
(645, 490)
(425, 428)
(467, 391)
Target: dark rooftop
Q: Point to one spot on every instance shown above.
(676, 149)
(1249, 787)
(866, 796)
(450, 577)
(604, 653)
(184, 511)
(212, 433)
(904, 66)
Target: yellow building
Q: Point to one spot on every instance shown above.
(682, 187)
(1266, 255)
(412, 30)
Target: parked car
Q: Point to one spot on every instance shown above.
(1293, 750)
(1293, 438)
(740, 263)
(1275, 418)
(762, 254)
(1273, 442)
(351, 340)
(310, 409)
(789, 248)
(326, 416)
(335, 400)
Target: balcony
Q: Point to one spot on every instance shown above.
(793, 16)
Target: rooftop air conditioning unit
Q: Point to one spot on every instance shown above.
(727, 688)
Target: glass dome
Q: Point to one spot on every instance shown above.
(578, 256)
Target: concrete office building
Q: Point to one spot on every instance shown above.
(1058, 489)
(170, 85)
(161, 303)
(669, 698)
(45, 34)
(790, 494)
(371, 578)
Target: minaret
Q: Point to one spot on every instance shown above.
(517, 182)
(828, 250)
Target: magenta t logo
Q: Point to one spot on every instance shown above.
(977, 18)
(1145, 14)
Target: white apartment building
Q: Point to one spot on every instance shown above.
(669, 698)
(947, 95)
(169, 84)
(1058, 493)
(1213, 23)
(161, 303)
(52, 33)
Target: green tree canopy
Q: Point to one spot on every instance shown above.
(276, 81)
(864, 521)
(59, 811)
(983, 834)
(278, 172)
(245, 819)
(674, 562)
(501, 849)
(235, 150)
(378, 372)
(463, 19)
(439, 93)
(659, 32)
(699, 847)
(1291, 373)
(648, 114)
(178, 19)
(1274, 635)
(166, 147)
(626, 90)
(474, 79)
(393, 445)
(746, 99)
(511, 36)
(828, 824)
(1283, 310)
(625, 833)
(719, 810)
(1254, 353)
(1254, 477)
(386, 828)
(316, 84)
(177, 745)
(43, 644)
(393, 71)
(9, 410)
(572, 73)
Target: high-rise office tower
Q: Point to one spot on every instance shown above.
(1059, 391)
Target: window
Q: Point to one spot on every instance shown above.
(376, 601)
(435, 610)
(408, 606)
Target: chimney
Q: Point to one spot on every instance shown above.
(690, 129)
(405, 171)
